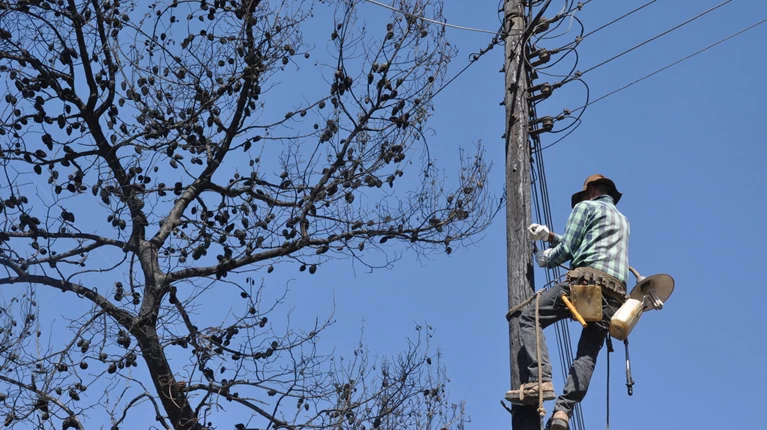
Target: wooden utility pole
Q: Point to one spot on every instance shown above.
(518, 204)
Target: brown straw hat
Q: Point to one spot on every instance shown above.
(581, 195)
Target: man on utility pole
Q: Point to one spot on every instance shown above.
(595, 241)
(518, 202)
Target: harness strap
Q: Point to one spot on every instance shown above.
(541, 409)
(609, 350)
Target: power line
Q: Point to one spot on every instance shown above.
(458, 27)
(580, 38)
(655, 37)
(580, 5)
(672, 64)
(619, 18)
(473, 58)
(542, 205)
(570, 47)
(700, 51)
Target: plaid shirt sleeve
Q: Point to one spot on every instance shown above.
(571, 239)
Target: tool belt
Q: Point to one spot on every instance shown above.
(586, 288)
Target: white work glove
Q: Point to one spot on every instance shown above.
(538, 232)
(542, 257)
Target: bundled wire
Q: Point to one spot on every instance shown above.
(541, 203)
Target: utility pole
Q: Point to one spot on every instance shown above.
(518, 202)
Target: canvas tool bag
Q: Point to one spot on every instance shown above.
(587, 286)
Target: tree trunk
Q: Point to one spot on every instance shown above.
(174, 401)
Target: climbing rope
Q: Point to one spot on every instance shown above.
(520, 306)
(541, 409)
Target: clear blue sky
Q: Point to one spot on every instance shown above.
(686, 149)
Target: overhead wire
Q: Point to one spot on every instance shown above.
(698, 52)
(545, 36)
(615, 57)
(559, 18)
(572, 69)
(626, 15)
(668, 66)
(581, 4)
(570, 47)
(578, 75)
(433, 21)
(473, 58)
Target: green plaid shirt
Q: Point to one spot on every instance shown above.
(596, 236)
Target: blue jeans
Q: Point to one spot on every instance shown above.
(551, 310)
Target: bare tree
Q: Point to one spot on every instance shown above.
(157, 154)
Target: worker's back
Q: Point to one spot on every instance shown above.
(605, 244)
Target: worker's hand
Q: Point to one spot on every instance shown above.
(542, 257)
(538, 232)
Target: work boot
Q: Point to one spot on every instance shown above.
(560, 421)
(528, 393)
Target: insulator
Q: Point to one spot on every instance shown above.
(547, 124)
(545, 91)
(543, 25)
(538, 87)
(543, 57)
(540, 120)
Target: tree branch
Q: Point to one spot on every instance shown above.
(123, 317)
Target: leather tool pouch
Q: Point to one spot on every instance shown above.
(586, 289)
(587, 300)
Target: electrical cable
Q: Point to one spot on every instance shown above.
(567, 76)
(562, 138)
(572, 70)
(559, 20)
(700, 51)
(582, 36)
(580, 5)
(458, 27)
(543, 211)
(545, 35)
(619, 18)
(473, 58)
(542, 205)
(611, 93)
(655, 37)
(562, 329)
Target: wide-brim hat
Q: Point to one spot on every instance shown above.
(593, 179)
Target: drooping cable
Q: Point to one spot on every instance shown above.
(643, 78)
(542, 205)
